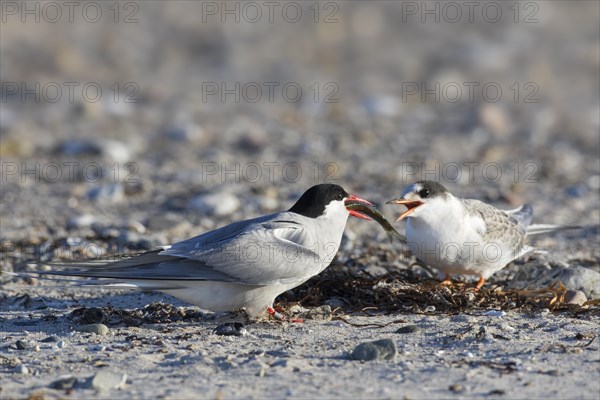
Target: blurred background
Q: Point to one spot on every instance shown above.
(136, 123)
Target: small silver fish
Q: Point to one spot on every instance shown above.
(374, 213)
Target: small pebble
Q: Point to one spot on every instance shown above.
(21, 345)
(108, 193)
(219, 204)
(136, 226)
(297, 309)
(507, 328)
(376, 270)
(21, 369)
(98, 329)
(545, 312)
(49, 339)
(61, 344)
(322, 313)
(92, 315)
(575, 297)
(231, 329)
(407, 329)
(577, 277)
(336, 302)
(81, 221)
(64, 383)
(494, 313)
(383, 349)
(456, 388)
(106, 380)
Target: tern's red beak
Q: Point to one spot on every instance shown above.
(358, 214)
(411, 206)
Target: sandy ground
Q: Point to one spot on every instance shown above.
(510, 355)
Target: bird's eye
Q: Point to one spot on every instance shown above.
(340, 196)
(424, 193)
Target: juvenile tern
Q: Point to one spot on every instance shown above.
(465, 236)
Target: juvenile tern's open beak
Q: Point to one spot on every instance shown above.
(411, 206)
(356, 199)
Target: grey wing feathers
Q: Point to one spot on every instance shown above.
(249, 252)
(271, 252)
(517, 221)
(508, 227)
(147, 266)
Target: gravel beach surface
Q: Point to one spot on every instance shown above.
(184, 137)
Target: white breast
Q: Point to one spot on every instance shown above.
(445, 237)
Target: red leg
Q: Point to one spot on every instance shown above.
(275, 314)
(279, 316)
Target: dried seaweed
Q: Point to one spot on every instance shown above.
(151, 314)
(402, 291)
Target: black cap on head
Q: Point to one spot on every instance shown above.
(429, 189)
(313, 202)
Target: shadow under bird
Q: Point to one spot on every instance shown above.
(465, 236)
(243, 265)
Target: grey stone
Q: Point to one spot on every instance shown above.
(136, 241)
(456, 388)
(376, 270)
(231, 329)
(108, 193)
(116, 151)
(21, 369)
(136, 226)
(93, 315)
(78, 148)
(408, 329)
(581, 278)
(383, 349)
(21, 345)
(77, 245)
(322, 313)
(218, 204)
(336, 302)
(98, 329)
(81, 221)
(64, 383)
(187, 132)
(575, 297)
(106, 379)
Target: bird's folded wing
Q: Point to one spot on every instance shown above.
(151, 265)
(263, 256)
(263, 251)
(272, 252)
(497, 225)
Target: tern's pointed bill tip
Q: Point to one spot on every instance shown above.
(353, 197)
(398, 218)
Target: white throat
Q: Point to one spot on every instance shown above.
(335, 211)
(441, 209)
